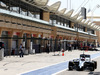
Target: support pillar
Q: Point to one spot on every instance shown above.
(54, 31)
(20, 40)
(10, 34)
(46, 16)
(28, 41)
(85, 29)
(0, 33)
(77, 36)
(72, 25)
(96, 43)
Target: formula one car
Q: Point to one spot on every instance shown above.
(83, 63)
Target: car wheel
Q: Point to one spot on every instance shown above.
(92, 68)
(95, 64)
(82, 68)
(78, 68)
(70, 66)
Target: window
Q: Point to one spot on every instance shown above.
(30, 14)
(24, 12)
(58, 23)
(50, 21)
(61, 23)
(65, 24)
(38, 16)
(14, 9)
(54, 21)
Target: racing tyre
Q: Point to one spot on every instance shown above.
(82, 69)
(70, 66)
(92, 68)
(95, 64)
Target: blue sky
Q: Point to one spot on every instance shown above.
(75, 4)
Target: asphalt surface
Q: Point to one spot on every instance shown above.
(85, 72)
(40, 64)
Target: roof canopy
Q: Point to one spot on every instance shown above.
(95, 27)
(80, 19)
(75, 16)
(54, 7)
(38, 2)
(87, 21)
(69, 13)
(92, 24)
(42, 4)
(98, 27)
(83, 22)
(61, 12)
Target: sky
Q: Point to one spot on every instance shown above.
(77, 4)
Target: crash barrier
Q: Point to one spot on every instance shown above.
(1, 54)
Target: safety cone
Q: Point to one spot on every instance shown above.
(62, 53)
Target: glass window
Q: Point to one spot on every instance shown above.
(61, 23)
(54, 21)
(30, 14)
(14, 9)
(38, 16)
(23, 12)
(58, 23)
(50, 21)
(65, 24)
